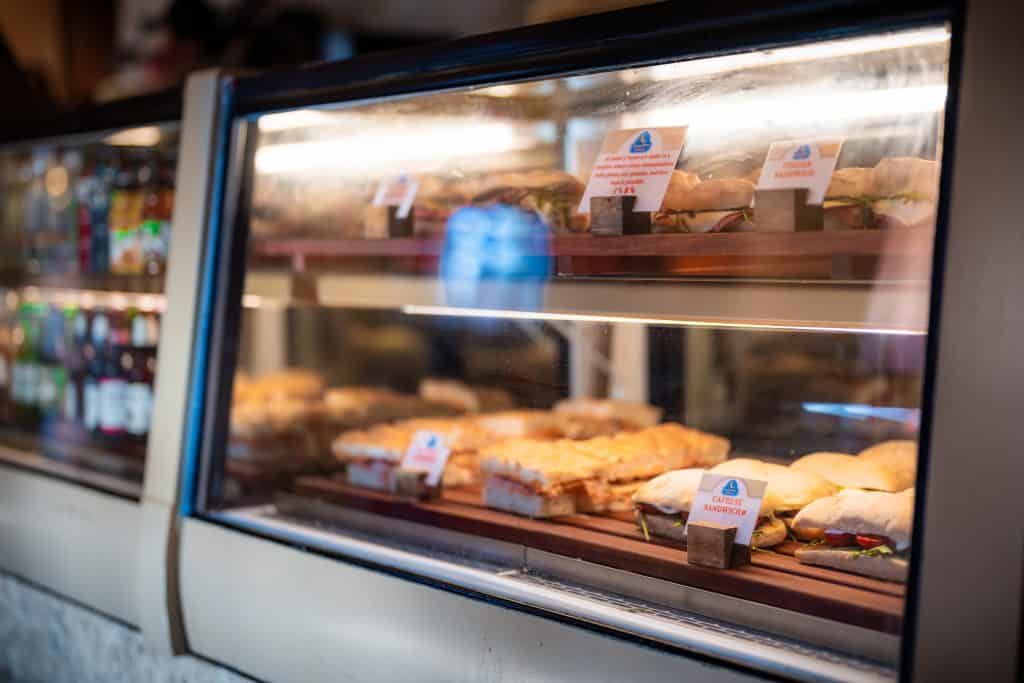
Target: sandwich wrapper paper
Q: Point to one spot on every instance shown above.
(798, 164)
(399, 191)
(428, 453)
(729, 500)
(635, 162)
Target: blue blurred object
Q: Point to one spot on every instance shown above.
(859, 411)
(495, 257)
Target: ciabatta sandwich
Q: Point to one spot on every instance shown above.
(793, 489)
(464, 397)
(899, 457)
(663, 506)
(625, 414)
(866, 532)
(848, 471)
(694, 205)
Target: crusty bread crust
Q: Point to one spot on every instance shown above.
(899, 457)
(852, 182)
(771, 533)
(885, 568)
(671, 492)
(718, 194)
(849, 471)
(789, 489)
(864, 512)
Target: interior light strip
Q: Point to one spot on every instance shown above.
(85, 298)
(789, 326)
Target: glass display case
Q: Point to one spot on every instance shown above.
(637, 334)
(86, 225)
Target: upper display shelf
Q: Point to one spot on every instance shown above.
(89, 212)
(808, 163)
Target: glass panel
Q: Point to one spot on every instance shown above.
(430, 263)
(86, 224)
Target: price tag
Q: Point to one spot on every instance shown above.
(428, 453)
(635, 162)
(729, 500)
(400, 192)
(800, 164)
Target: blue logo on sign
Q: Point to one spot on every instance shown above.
(802, 152)
(642, 144)
(731, 488)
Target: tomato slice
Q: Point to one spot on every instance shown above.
(838, 539)
(868, 541)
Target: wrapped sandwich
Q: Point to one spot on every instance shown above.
(552, 195)
(899, 192)
(694, 205)
(662, 509)
(792, 489)
(848, 471)
(866, 532)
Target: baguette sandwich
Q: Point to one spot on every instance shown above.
(552, 195)
(866, 532)
(792, 489)
(898, 192)
(663, 505)
(694, 205)
(852, 472)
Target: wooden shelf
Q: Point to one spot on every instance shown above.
(101, 282)
(773, 578)
(796, 244)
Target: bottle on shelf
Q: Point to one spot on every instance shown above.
(100, 196)
(112, 379)
(25, 374)
(36, 212)
(93, 353)
(125, 222)
(141, 365)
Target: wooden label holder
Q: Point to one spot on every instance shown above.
(786, 211)
(399, 227)
(614, 217)
(714, 545)
(413, 484)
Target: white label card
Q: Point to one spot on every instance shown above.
(797, 164)
(400, 192)
(728, 500)
(428, 453)
(635, 162)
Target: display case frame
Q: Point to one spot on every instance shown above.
(618, 39)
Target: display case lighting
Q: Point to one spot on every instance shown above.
(798, 53)
(721, 323)
(143, 136)
(88, 299)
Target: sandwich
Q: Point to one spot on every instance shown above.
(553, 195)
(624, 414)
(866, 532)
(662, 508)
(847, 205)
(464, 397)
(285, 384)
(372, 455)
(278, 429)
(898, 456)
(544, 478)
(898, 192)
(534, 424)
(792, 489)
(694, 205)
(536, 478)
(436, 200)
(848, 471)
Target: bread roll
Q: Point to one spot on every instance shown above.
(710, 195)
(793, 488)
(671, 492)
(849, 471)
(679, 186)
(899, 457)
(863, 512)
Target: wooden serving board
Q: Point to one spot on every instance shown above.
(773, 585)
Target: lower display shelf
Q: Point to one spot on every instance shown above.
(125, 487)
(773, 578)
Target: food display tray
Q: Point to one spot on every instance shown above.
(773, 578)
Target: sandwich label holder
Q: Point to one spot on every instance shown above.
(397, 196)
(722, 520)
(629, 179)
(420, 472)
(794, 180)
